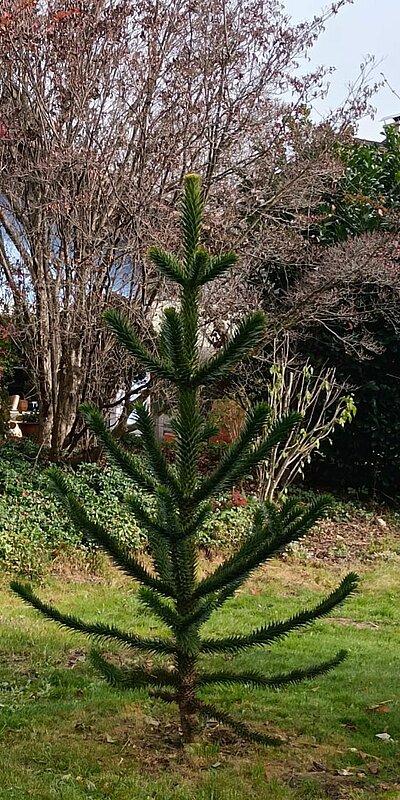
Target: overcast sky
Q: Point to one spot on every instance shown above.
(366, 27)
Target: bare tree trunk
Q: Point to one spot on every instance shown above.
(67, 396)
(45, 423)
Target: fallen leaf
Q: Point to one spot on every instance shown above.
(385, 737)
(344, 772)
(382, 707)
(373, 768)
(350, 725)
(109, 739)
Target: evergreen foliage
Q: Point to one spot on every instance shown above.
(367, 198)
(172, 590)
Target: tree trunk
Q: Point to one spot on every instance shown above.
(59, 392)
(67, 397)
(187, 697)
(45, 422)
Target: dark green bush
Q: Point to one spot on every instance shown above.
(367, 453)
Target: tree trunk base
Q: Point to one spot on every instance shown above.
(189, 724)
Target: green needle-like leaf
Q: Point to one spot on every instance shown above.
(248, 336)
(240, 456)
(168, 265)
(131, 342)
(121, 557)
(97, 630)
(276, 630)
(218, 266)
(276, 681)
(191, 217)
(131, 465)
(134, 677)
(173, 338)
(211, 712)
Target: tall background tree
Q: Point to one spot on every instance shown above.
(103, 107)
(357, 326)
(340, 297)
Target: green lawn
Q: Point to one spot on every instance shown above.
(66, 735)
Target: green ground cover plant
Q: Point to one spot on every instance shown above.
(36, 531)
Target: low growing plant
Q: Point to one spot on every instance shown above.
(172, 589)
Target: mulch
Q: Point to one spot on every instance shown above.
(354, 539)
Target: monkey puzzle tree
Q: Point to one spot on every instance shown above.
(172, 590)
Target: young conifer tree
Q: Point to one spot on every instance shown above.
(172, 590)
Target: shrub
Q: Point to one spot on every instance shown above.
(34, 528)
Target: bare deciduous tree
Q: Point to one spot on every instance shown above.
(351, 286)
(104, 107)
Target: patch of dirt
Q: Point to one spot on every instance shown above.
(334, 786)
(350, 540)
(338, 783)
(154, 746)
(152, 742)
(291, 575)
(74, 657)
(72, 570)
(356, 539)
